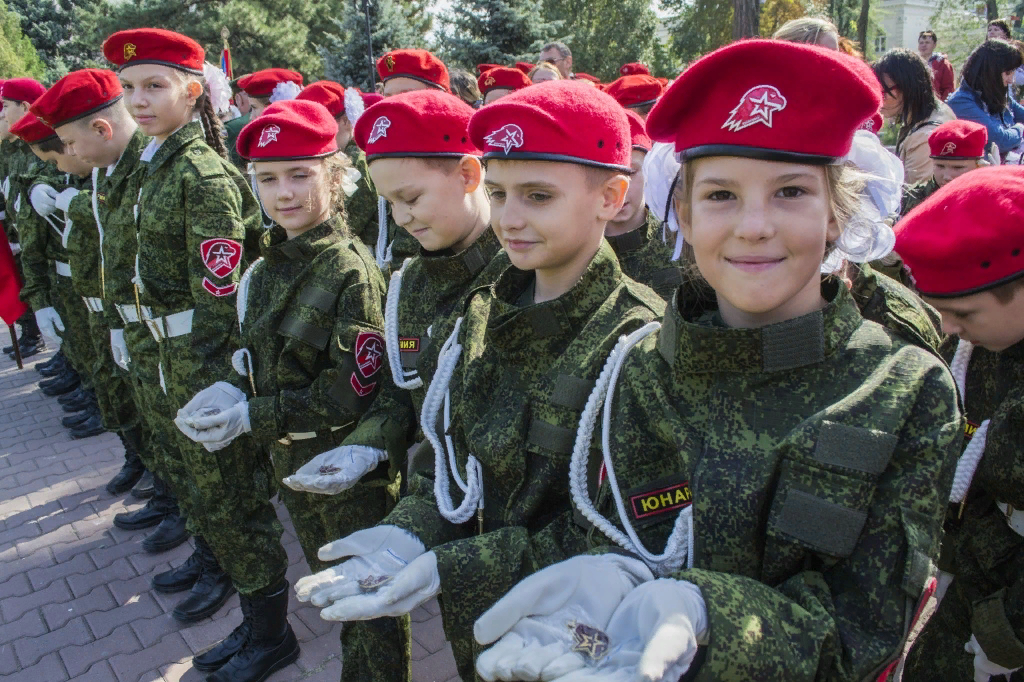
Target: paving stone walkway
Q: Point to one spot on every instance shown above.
(75, 602)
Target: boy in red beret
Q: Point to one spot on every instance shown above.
(509, 370)
(636, 92)
(269, 85)
(499, 81)
(957, 147)
(963, 246)
(634, 232)
(407, 70)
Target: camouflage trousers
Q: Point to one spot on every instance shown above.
(374, 650)
(114, 394)
(76, 343)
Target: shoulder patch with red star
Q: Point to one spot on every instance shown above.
(221, 256)
(369, 354)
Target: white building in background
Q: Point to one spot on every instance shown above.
(900, 21)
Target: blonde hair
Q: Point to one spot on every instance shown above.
(806, 30)
(213, 127)
(545, 66)
(336, 167)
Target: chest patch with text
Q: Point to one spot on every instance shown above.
(650, 502)
(409, 344)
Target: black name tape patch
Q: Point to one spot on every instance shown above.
(969, 429)
(649, 503)
(409, 344)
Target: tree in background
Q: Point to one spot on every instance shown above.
(495, 32)
(663, 65)
(393, 24)
(62, 32)
(775, 13)
(697, 27)
(746, 18)
(605, 34)
(18, 57)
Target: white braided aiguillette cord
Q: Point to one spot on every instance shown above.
(383, 250)
(407, 380)
(968, 462)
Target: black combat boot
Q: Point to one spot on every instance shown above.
(51, 367)
(157, 507)
(61, 384)
(78, 418)
(169, 534)
(30, 345)
(271, 644)
(222, 651)
(77, 395)
(143, 490)
(93, 426)
(209, 592)
(132, 469)
(185, 576)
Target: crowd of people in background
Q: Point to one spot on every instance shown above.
(688, 379)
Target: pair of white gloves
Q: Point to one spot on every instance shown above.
(590, 618)
(45, 200)
(215, 416)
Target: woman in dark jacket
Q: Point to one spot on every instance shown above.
(983, 95)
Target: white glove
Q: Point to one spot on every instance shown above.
(556, 620)
(43, 199)
(5, 187)
(415, 584)
(63, 200)
(985, 669)
(378, 554)
(216, 428)
(17, 204)
(334, 471)
(49, 324)
(15, 248)
(119, 349)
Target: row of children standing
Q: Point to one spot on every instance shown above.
(790, 456)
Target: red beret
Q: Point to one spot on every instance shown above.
(481, 68)
(634, 69)
(77, 95)
(425, 123)
(416, 64)
(154, 46)
(502, 77)
(370, 98)
(327, 93)
(555, 121)
(781, 101)
(262, 83)
(525, 67)
(32, 130)
(292, 129)
(958, 140)
(635, 91)
(22, 90)
(638, 132)
(580, 76)
(873, 124)
(968, 236)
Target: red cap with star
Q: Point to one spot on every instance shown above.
(77, 95)
(419, 65)
(562, 121)
(292, 129)
(958, 140)
(968, 236)
(481, 68)
(422, 123)
(262, 83)
(638, 132)
(525, 67)
(327, 93)
(634, 69)
(370, 98)
(635, 91)
(22, 90)
(781, 101)
(502, 77)
(154, 46)
(32, 130)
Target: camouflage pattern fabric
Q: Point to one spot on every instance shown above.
(433, 284)
(232, 128)
(517, 394)
(985, 556)
(648, 260)
(18, 162)
(884, 300)
(914, 195)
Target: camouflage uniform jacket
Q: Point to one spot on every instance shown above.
(817, 454)
(313, 326)
(43, 240)
(915, 194)
(647, 259)
(884, 300)
(987, 555)
(516, 396)
(18, 161)
(231, 130)
(84, 241)
(193, 219)
(433, 284)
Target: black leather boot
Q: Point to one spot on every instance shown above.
(77, 395)
(185, 576)
(143, 490)
(83, 400)
(169, 534)
(209, 593)
(158, 506)
(271, 644)
(49, 368)
(93, 426)
(76, 419)
(59, 385)
(30, 345)
(132, 469)
(222, 651)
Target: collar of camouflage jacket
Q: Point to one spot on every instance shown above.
(277, 248)
(635, 239)
(128, 162)
(186, 134)
(512, 326)
(448, 269)
(697, 347)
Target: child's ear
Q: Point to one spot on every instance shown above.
(613, 193)
(103, 128)
(471, 173)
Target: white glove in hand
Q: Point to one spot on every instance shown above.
(15, 248)
(413, 585)
(43, 199)
(334, 471)
(378, 554)
(556, 620)
(119, 349)
(216, 428)
(63, 200)
(985, 669)
(219, 396)
(49, 324)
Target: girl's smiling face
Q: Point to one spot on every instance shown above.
(160, 98)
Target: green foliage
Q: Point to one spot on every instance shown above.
(663, 64)
(960, 28)
(698, 27)
(494, 31)
(18, 57)
(393, 24)
(62, 32)
(605, 34)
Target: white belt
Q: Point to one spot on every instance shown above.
(1014, 517)
(129, 313)
(95, 305)
(62, 268)
(305, 435)
(170, 326)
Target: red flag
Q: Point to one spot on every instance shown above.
(11, 307)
